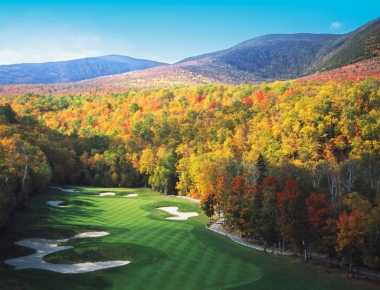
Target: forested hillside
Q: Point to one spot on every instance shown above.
(361, 44)
(354, 72)
(287, 161)
(277, 56)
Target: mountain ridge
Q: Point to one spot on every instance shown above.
(265, 58)
(71, 70)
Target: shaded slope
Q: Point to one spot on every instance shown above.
(275, 56)
(287, 56)
(361, 44)
(71, 71)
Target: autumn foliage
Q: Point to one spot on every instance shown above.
(278, 160)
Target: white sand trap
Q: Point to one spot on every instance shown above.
(179, 215)
(45, 247)
(131, 195)
(67, 190)
(56, 203)
(90, 235)
(105, 193)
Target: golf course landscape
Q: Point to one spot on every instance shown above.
(162, 254)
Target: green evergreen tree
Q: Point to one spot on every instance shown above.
(261, 167)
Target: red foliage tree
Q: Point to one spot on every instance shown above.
(318, 213)
(350, 238)
(235, 202)
(293, 220)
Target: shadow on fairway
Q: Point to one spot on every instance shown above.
(139, 255)
(98, 251)
(81, 203)
(46, 214)
(53, 232)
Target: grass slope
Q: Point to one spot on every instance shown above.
(165, 254)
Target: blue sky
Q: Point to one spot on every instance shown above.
(167, 31)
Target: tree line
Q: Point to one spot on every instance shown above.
(319, 142)
(283, 212)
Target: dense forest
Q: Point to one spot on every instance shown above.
(289, 162)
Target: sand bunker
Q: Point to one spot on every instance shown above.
(56, 203)
(131, 195)
(179, 215)
(90, 235)
(67, 190)
(105, 193)
(45, 247)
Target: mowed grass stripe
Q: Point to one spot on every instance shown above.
(115, 214)
(199, 264)
(238, 270)
(214, 271)
(158, 238)
(177, 232)
(140, 279)
(161, 236)
(195, 259)
(179, 240)
(196, 264)
(112, 213)
(171, 274)
(154, 231)
(147, 234)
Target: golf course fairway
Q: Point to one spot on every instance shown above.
(163, 254)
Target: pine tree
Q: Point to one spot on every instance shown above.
(260, 164)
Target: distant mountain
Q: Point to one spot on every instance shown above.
(72, 70)
(287, 56)
(269, 57)
(265, 58)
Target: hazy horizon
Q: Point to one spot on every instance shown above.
(165, 31)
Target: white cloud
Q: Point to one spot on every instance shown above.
(49, 47)
(36, 36)
(10, 55)
(48, 41)
(336, 25)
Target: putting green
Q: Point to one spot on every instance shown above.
(165, 254)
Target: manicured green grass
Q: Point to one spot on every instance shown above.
(165, 254)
